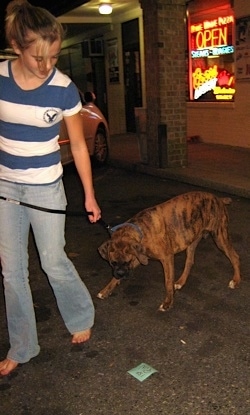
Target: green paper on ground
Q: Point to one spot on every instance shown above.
(142, 372)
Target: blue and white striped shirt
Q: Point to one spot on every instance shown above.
(30, 124)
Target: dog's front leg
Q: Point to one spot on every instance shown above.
(168, 267)
(107, 291)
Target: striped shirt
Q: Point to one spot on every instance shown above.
(30, 124)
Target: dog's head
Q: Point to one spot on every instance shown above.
(123, 255)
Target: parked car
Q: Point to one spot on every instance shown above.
(95, 129)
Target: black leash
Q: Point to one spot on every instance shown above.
(61, 212)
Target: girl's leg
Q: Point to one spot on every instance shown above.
(73, 298)
(14, 233)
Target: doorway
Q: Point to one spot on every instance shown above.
(132, 71)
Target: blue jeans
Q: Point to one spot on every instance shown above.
(73, 299)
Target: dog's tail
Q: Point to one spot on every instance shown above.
(226, 200)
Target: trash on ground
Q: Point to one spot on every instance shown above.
(142, 372)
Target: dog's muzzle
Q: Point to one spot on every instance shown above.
(121, 271)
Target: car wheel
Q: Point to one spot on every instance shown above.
(101, 151)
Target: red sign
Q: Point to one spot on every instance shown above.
(211, 33)
(211, 39)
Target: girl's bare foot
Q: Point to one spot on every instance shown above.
(7, 365)
(81, 336)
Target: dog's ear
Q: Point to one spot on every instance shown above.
(140, 254)
(103, 250)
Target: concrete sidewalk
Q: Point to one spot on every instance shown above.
(218, 167)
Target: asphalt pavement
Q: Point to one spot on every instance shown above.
(196, 355)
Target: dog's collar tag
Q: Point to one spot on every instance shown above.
(136, 227)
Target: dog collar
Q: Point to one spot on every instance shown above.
(133, 225)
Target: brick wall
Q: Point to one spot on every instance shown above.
(165, 68)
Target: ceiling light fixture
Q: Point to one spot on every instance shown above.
(105, 8)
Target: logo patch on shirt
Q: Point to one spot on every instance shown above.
(50, 115)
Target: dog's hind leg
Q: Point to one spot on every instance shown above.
(168, 266)
(223, 242)
(190, 251)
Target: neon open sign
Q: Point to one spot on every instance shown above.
(210, 39)
(211, 33)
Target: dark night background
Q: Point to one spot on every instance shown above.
(57, 8)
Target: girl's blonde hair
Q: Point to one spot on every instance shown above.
(25, 23)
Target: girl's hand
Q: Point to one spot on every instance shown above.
(94, 208)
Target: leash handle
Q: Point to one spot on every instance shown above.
(16, 202)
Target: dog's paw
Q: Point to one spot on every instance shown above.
(161, 308)
(165, 306)
(232, 284)
(101, 296)
(177, 286)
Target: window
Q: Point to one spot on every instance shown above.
(211, 56)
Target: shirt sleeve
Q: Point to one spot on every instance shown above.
(72, 101)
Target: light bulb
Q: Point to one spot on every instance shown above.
(105, 8)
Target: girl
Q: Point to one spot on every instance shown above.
(34, 97)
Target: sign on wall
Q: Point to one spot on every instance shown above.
(243, 48)
(112, 53)
(211, 59)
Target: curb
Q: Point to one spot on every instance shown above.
(187, 178)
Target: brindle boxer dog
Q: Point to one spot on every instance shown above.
(162, 231)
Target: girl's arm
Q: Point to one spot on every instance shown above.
(82, 161)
